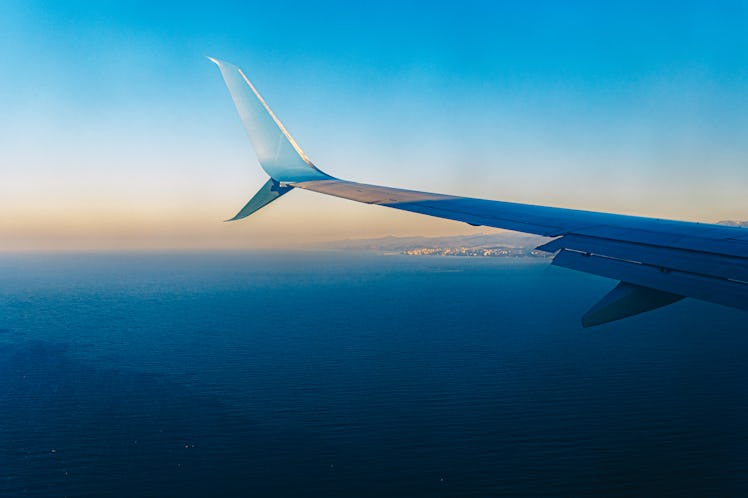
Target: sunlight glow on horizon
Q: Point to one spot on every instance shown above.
(118, 134)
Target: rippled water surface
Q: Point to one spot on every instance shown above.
(357, 375)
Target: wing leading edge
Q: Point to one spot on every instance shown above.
(657, 262)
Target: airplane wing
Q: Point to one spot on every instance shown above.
(657, 262)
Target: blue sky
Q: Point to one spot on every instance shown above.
(118, 133)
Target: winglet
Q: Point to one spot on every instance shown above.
(278, 153)
(267, 194)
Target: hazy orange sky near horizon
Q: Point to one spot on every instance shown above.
(118, 134)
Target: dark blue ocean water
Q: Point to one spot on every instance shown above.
(357, 375)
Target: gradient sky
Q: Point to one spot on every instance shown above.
(117, 133)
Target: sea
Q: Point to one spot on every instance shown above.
(357, 374)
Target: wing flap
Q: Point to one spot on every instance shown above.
(707, 264)
(715, 290)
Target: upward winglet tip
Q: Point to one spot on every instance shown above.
(213, 60)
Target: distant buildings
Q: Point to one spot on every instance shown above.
(489, 252)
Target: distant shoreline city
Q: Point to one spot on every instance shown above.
(502, 244)
(477, 252)
(491, 245)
